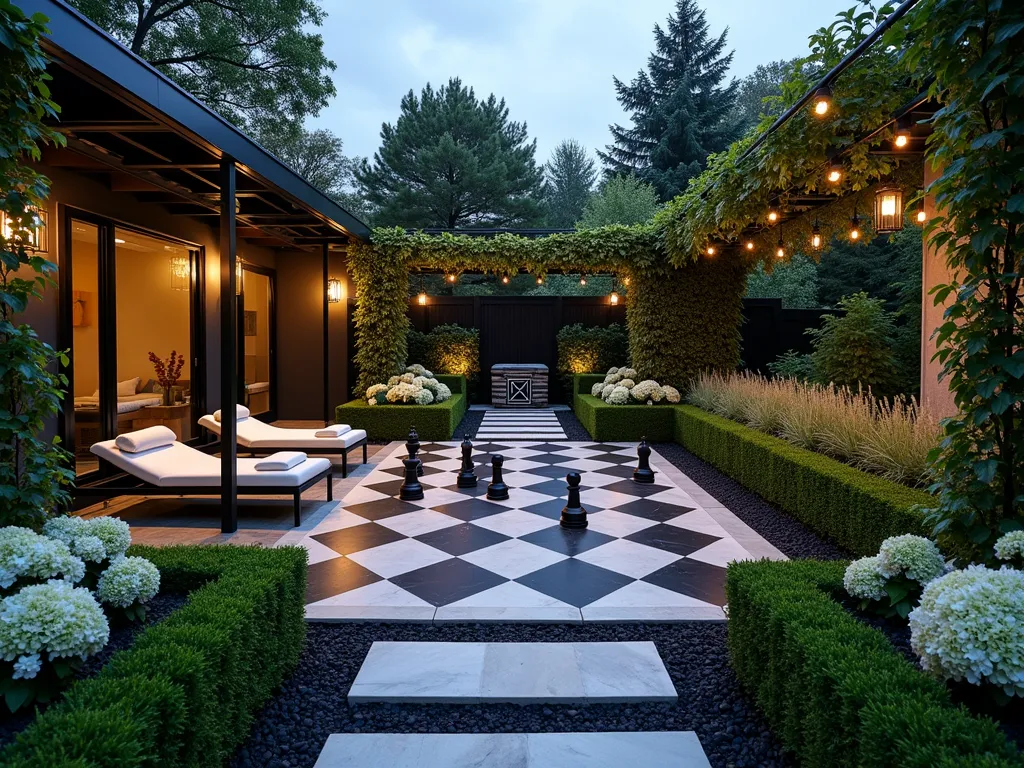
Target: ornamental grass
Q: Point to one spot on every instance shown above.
(888, 437)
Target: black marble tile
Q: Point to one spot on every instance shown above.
(390, 487)
(545, 486)
(652, 510)
(692, 578)
(429, 447)
(568, 541)
(448, 581)
(381, 508)
(400, 472)
(462, 539)
(471, 509)
(550, 447)
(606, 447)
(491, 447)
(332, 577)
(358, 537)
(554, 472)
(672, 539)
(479, 490)
(635, 489)
(552, 508)
(622, 470)
(574, 582)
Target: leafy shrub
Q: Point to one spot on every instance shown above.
(589, 349)
(792, 365)
(856, 349)
(449, 349)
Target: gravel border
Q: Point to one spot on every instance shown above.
(291, 730)
(572, 427)
(469, 425)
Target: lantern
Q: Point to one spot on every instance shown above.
(334, 290)
(888, 210)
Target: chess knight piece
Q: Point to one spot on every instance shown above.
(496, 489)
(467, 477)
(412, 445)
(643, 473)
(573, 514)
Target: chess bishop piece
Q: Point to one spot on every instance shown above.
(496, 489)
(412, 445)
(573, 514)
(643, 472)
(467, 477)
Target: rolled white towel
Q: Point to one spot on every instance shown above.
(241, 412)
(145, 439)
(333, 430)
(280, 461)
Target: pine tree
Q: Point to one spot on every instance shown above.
(452, 160)
(679, 108)
(569, 178)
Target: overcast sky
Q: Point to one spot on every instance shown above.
(551, 60)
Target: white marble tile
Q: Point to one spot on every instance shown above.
(519, 498)
(513, 558)
(446, 465)
(338, 519)
(674, 496)
(700, 521)
(523, 479)
(435, 497)
(616, 523)
(398, 557)
(419, 522)
(516, 522)
(520, 465)
(541, 673)
(615, 750)
(316, 551)
(498, 437)
(509, 602)
(604, 499)
(628, 558)
(640, 601)
(425, 750)
(575, 452)
(585, 465)
(361, 494)
(380, 593)
(420, 672)
(720, 553)
(623, 672)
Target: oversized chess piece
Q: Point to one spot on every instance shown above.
(643, 472)
(467, 477)
(411, 489)
(496, 489)
(573, 514)
(412, 445)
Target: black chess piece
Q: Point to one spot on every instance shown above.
(467, 477)
(411, 489)
(643, 472)
(496, 489)
(573, 513)
(412, 445)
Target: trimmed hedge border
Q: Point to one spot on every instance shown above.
(625, 422)
(834, 690)
(185, 693)
(855, 509)
(582, 383)
(457, 384)
(392, 422)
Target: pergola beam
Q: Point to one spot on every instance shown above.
(228, 351)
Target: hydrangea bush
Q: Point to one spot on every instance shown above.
(416, 386)
(890, 583)
(970, 626)
(1010, 548)
(620, 387)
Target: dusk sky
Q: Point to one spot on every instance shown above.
(551, 60)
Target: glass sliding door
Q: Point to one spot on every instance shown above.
(83, 249)
(257, 340)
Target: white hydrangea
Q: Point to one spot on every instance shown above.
(423, 397)
(658, 394)
(26, 554)
(864, 579)
(606, 390)
(403, 393)
(917, 557)
(442, 392)
(89, 548)
(1010, 546)
(611, 371)
(671, 394)
(115, 534)
(596, 389)
(64, 528)
(419, 370)
(970, 625)
(56, 618)
(643, 390)
(408, 378)
(613, 378)
(618, 396)
(27, 667)
(394, 380)
(127, 581)
(629, 373)
(627, 383)
(377, 394)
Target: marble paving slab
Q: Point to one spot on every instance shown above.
(675, 749)
(523, 673)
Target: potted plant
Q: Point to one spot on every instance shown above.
(167, 373)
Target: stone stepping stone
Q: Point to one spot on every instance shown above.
(679, 749)
(521, 673)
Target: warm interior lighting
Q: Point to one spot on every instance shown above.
(816, 237)
(181, 273)
(238, 276)
(333, 290)
(613, 298)
(421, 299)
(119, 241)
(888, 210)
(822, 101)
(36, 229)
(750, 245)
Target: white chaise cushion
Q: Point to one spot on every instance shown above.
(145, 439)
(241, 412)
(256, 434)
(282, 460)
(333, 430)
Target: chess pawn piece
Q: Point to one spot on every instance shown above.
(467, 477)
(573, 514)
(643, 472)
(411, 489)
(412, 445)
(496, 489)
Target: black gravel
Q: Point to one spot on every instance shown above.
(469, 425)
(571, 426)
(293, 727)
(788, 534)
(122, 636)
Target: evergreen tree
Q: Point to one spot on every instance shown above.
(621, 200)
(795, 282)
(679, 108)
(569, 178)
(453, 160)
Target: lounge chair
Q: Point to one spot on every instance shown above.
(159, 465)
(259, 438)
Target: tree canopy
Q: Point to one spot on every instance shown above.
(569, 178)
(621, 200)
(679, 108)
(795, 282)
(453, 160)
(760, 92)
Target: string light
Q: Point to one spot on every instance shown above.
(835, 172)
(750, 245)
(773, 216)
(780, 250)
(504, 279)
(583, 279)
(711, 250)
(855, 227)
(816, 237)
(625, 281)
(902, 133)
(822, 101)
(922, 217)
(450, 278)
(540, 281)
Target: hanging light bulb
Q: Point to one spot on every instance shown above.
(583, 279)
(750, 245)
(710, 250)
(822, 100)
(835, 172)
(922, 217)
(613, 299)
(540, 281)
(902, 138)
(780, 248)
(450, 278)
(773, 216)
(816, 237)
(504, 279)
(855, 226)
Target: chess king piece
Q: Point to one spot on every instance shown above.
(496, 489)
(573, 513)
(411, 489)
(643, 472)
(467, 477)
(412, 445)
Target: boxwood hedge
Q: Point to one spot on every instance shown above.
(186, 692)
(624, 422)
(834, 690)
(582, 384)
(393, 422)
(853, 508)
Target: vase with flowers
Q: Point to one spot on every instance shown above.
(167, 372)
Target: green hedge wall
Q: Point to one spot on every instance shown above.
(853, 508)
(393, 422)
(184, 695)
(834, 690)
(582, 384)
(457, 384)
(624, 422)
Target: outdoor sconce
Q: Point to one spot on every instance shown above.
(822, 101)
(333, 290)
(37, 230)
(181, 273)
(613, 299)
(422, 299)
(888, 210)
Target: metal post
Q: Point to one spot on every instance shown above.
(327, 321)
(228, 344)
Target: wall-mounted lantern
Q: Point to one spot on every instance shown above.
(334, 290)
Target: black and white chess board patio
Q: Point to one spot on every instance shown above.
(650, 553)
